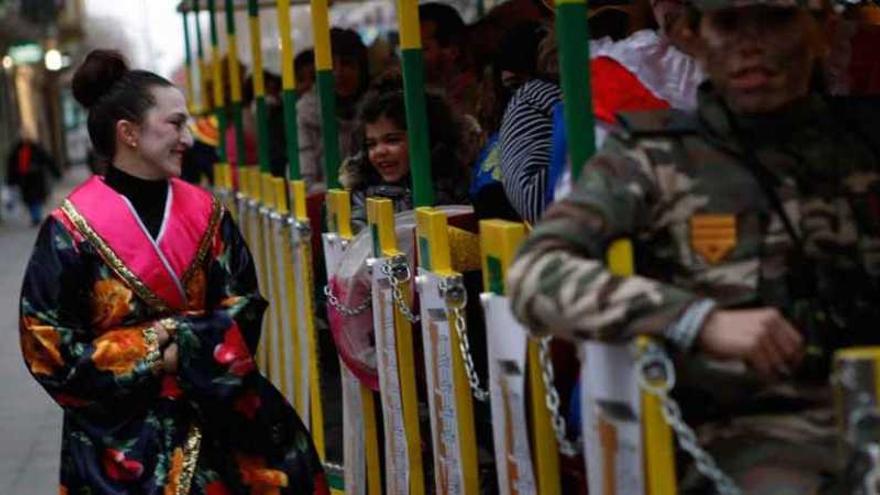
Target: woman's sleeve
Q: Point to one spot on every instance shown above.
(79, 368)
(526, 141)
(217, 345)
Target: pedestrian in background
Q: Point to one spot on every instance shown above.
(351, 74)
(26, 169)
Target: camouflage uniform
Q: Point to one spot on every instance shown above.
(706, 236)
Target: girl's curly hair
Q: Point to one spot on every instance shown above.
(385, 98)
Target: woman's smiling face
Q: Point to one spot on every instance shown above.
(387, 149)
(164, 135)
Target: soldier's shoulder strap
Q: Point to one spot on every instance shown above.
(657, 123)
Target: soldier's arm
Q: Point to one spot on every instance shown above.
(559, 282)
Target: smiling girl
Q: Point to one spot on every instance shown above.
(382, 168)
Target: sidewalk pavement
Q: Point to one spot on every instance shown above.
(30, 423)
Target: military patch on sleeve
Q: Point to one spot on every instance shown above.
(713, 236)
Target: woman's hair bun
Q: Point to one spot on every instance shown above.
(97, 74)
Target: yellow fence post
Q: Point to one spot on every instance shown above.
(306, 309)
(264, 225)
(380, 214)
(277, 267)
(300, 366)
(456, 463)
(338, 237)
(507, 356)
(252, 202)
(657, 442)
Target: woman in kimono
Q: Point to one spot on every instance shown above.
(140, 315)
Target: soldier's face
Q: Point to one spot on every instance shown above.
(760, 58)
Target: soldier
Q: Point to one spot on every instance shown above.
(755, 223)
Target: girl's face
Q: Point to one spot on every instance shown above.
(387, 149)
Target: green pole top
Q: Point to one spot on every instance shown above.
(574, 63)
(212, 10)
(417, 133)
(199, 49)
(230, 16)
(187, 45)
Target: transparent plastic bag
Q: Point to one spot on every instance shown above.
(351, 285)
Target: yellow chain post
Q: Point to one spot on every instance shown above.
(253, 195)
(339, 213)
(306, 286)
(244, 194)
(434, 256)
(500, 240)
(243, 218)
(657, 442)
(380, 215)
(298, 401)
(263, 218)
(268, 200)
(278, 268)
(856, 392)
(339, 223)
(224, 187)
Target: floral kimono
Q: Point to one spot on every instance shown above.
(97, 289)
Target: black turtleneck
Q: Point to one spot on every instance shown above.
(147, 196)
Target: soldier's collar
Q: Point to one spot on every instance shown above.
(715, 119)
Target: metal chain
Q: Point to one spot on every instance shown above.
(656, 376)
(347, 311)
(871, 482)
(452, 289)
(398, 273)
(551, 399)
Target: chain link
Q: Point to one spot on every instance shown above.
(871, 482)
(656, 376)
(452, 289)
(348, 311)
(551, 399)
(398, 273)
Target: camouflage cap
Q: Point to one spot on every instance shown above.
(709, 5)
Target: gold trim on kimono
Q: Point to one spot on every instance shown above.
(190, 459)
(205, 243)
(110, 257)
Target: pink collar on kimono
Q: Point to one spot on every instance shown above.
(156, 268)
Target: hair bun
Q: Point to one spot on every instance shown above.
(97, 74)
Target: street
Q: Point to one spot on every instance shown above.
(30, 423)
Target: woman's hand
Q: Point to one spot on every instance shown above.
(170, 359)
(162, 337)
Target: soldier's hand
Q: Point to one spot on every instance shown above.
(762, 338)
(169, 359)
